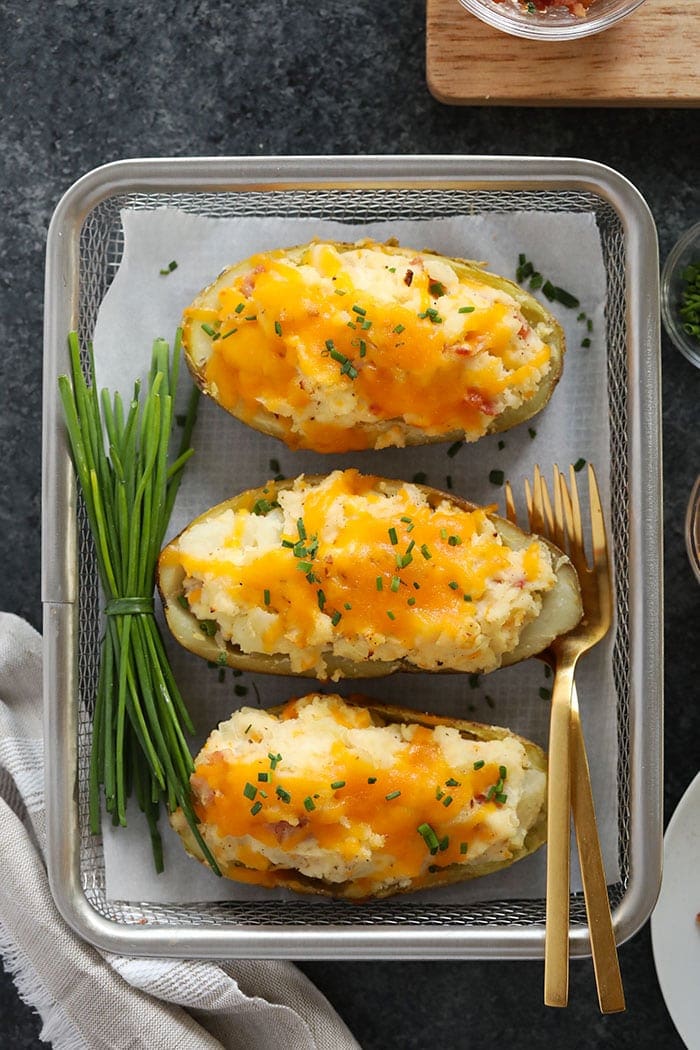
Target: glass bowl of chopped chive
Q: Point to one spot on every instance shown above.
(551, 19)
(680, 295)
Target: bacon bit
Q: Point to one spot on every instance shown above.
(477, 400)
(282, 829)
(524, 331)
(201, 789)
(248, 282)
(465, 350)
(408, 278)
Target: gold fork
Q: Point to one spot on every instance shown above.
(569, 778)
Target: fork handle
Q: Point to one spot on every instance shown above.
(606, 965)
(556, 943)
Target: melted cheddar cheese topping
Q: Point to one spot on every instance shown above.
(335, 342)
(322, 790)
(346, 568)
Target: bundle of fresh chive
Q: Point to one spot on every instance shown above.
(129, 486)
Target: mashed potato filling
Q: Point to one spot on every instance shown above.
(324, 791)
(338, 339)
(347, 568)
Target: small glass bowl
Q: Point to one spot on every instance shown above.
(554, 24)
(686, 251)
(692, 529)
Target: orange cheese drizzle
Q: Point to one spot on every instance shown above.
(362, 553)
(279, 348)
(420, 773)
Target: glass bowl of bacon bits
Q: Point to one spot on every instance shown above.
(551, 19)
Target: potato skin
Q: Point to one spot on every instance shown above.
(197, 346)
(387, 714)
(561, 609)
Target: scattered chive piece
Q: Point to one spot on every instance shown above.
(444, 843)
(278, 328)
(547, 671)
(496, 477)
(425, 552)
(490, 700)
(380, 583)
(395, 583)
(211, 332)
(447, 800)
(336, 618)
(411, 601)
(266, 596)
(454, 541)
(301, 529)
(399, 329)
(480, 764)
(544, 694)
(358, 310)
(347, 606)
(390, 614)
(392, 536)
(249, 791)
(247, 729)
(429, 837)
(452, 783)
(309, 803)
(172, 265)
(502, 772)
(474, 681)
(363, 348)
(454, 448)
(467, 597)
(453, 584)
(406, 519)
(263, 777)
(501, 445)
(183, 601)
(274, 760)
(240, 690)
(466, 310)
(281, 793)
(579, 465)
(532, 432)
(391, 795)
(443, 534)
(240, 308)
(256, 807)
(416, 585)
(420, 478)
(448, 480)
(275, 466)
(463, 847)
(321, 599)
(208, 627)
(371, 780)
(261, 507)
(585, 343)
(337, 784)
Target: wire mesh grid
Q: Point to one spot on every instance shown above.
(101, 246)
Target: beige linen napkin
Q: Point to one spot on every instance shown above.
(90, 999)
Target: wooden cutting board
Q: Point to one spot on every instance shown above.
(650, 58)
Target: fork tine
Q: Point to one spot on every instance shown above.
(546, 508)
(534, 503)
(598, 532)
(559, 533)
(576, 511)
(510, 511)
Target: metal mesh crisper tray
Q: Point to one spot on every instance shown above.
(512, 927)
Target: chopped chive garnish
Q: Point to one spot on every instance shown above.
(496, 477)
(448, 481)
(359, 310)
(544, 694)
(347, 605)
(501, 445)
(391, 795)
(251, 317)
(263, 778)
(453, 584)
(172, 265)
(250, 792)
(301, 529)
(425, 552)
(420, 478)
(278, 328)
(392, 536)
(304, 566)
(473, 681)
(429, 837)
(208, 627)
(261, 507)
(240, 308)
(444, 843)
(467, 597)
(436, 289)
(406, 519)
(247, 730)
(454, 541)
(274, 466)
(183, 601)
(371, 780)
(452, 783)
(547, 671)
(447, 800)
(463, 846)
(240, 690)
(309, 803)
(454, 448)
(380, 583)
(363, 348)
(399, 329)
(391, 615)
(439, 792)
(416, 585)
(256, 807)
(337, 784)
(500, 797)
(395, 583)
(281, 793)
(411, 601)
(336, 618)
(480, 764)
(321, 599)
(211, 332)
(532, 432)
(585, 343)
(466, 310)
(502, 772)
(266, 596)
(274, 760)
(443, 534)
(579, 465)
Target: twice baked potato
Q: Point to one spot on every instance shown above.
(362, 800)
(351, 575)
(338, 347)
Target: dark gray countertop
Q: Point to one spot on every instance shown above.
(87, 84)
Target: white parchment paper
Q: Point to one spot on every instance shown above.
(141, 305)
